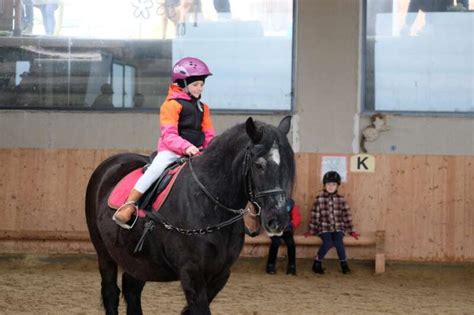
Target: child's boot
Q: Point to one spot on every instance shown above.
(318, 267)
(345, 267)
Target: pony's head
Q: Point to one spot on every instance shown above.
(270, 169)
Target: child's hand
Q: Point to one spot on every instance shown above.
(192, 150)
(354, 235)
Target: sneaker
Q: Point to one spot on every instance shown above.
(318, 267)
(345, 267)
(271, 270)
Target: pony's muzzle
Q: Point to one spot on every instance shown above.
(276, 223)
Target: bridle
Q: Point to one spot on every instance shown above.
(252, 193)
(249, 183)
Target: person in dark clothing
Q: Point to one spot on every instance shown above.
(289, 241)
(104, 100)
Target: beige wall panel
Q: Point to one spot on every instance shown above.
(425, 134)
(327, 76)
(133, 131)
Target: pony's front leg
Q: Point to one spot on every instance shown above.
(132, 292)
(195, 290)
(215, 285)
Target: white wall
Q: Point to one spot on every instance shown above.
(326, 92)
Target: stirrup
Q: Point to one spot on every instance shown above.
(124, 224)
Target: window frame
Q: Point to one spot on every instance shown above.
(132, 109)
(364, 110)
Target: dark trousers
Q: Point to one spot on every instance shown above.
(290, 244)
(331, 239)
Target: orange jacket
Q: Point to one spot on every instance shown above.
(169, 118)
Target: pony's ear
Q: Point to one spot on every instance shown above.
(285, 124)
(252, 131)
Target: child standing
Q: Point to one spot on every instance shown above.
(287, 236)
(185, 125)
(330, 219)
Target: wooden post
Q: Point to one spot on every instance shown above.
(379, 251)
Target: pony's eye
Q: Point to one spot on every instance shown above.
(260, 164)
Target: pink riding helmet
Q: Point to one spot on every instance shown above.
(189, 67)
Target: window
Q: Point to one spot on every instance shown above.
(419, 56)
(117, 54)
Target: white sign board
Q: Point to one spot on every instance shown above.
(334, 163)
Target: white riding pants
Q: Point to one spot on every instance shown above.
(160, 162)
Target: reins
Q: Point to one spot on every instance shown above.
(208, 194)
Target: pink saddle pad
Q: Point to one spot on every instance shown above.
(121, 191)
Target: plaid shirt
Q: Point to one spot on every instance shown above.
(330, 213)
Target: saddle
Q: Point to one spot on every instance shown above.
(155, 196)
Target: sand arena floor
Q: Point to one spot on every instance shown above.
(71, 285)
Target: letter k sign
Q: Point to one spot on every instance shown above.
(362, 163)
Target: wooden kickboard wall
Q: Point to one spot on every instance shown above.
(424, 203)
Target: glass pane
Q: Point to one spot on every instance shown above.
(117, 84)
(118, 54)
(129, 86)
(420, 55)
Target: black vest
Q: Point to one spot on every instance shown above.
(190, 121)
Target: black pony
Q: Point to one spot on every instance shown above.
(200, 231)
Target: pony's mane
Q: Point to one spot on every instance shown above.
(231, 144)
(233, 139)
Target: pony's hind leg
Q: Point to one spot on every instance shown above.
(110, 291)
(132, 291)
